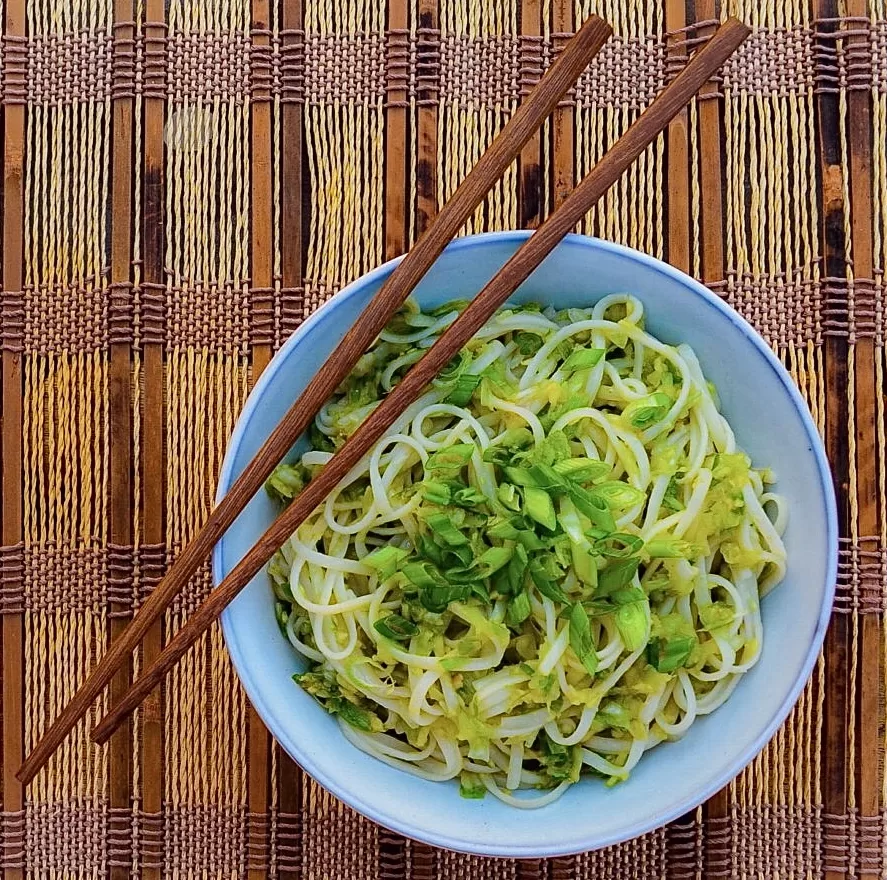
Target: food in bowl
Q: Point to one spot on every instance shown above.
(552, 563)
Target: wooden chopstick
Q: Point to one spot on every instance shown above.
(651, 122)
(541, 101)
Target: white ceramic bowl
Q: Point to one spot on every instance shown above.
(772, 424)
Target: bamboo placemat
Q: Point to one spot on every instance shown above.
(184, 181)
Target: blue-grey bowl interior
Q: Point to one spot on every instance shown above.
(771, 422)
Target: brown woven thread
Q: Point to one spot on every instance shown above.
(451, 864)
(718, 845)
(151, 314)
(879, 54)
(15, 70)
(626, 73)
(204, 839)
(50, 576)
(123, 60)
(557, 42)
(12, 320)
(66, 316)
(763, 839)
(12, 566)
(858, 27)
(120, 585)
(772, 62)
(151, 59)
(427, 60)
(291, 311)
(59, 69)
(149, 852)
(12, 839)
(261, 329)
(853, 308)
(208, 314)
(684, 843)
(275, 313)
(66, 69)
(398, 52)
(629, 71)
(289, 841)
(113, 838)
(679, 43)
(315, 294)
(74, 578)
(871, 845)
(392, 855)
(562, 868)
(858, 53)
(71, 835)
(190, 839)
(844, 66)
(420, 861)
(483, 71)
(839, 843)
(849, 67)
(197, 590)
(828, 56)
(151, 566)
(337, 839)
(784, 308)
(121, 313)
(346, 68)
(264, 64)
(257, 838)
(692, 37)
(292, 66)
(207, 65)
(531, 62)
(862, 576)
(797, 834)
(119, 837)
(642, 857)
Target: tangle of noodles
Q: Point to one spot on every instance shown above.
(552, 563)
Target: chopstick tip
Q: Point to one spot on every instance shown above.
(28, 769)
(101, 733)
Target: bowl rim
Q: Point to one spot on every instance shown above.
(389, 818)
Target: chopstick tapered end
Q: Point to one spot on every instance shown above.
(103, 731)
(31, 766)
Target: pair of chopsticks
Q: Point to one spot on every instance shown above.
(505, 148)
